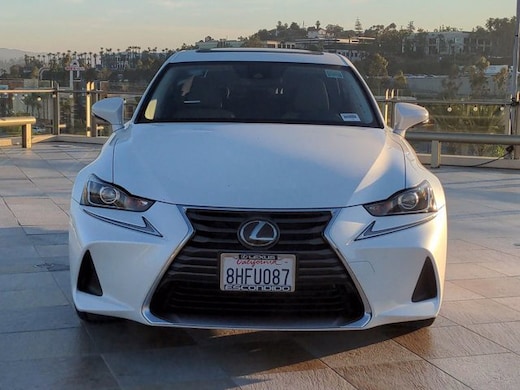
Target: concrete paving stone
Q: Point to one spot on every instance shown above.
(55, 187)
(49, 238)
(246, 357)
(451, 341)
(14, 236)
(483, 256)
(54, 263)
(487, 226)
(223, 338)
(8, 222)
(408, 375)
(39, 318)
(37, 212)
(52, 250)
(45, 230)
(62, 279)
(457, 207)
(40, 172)
(506, 334)
(461, 251)
(456, 256)
(53, 154)
(478, 311)
(32, 298)
(213, 384)
(346, 349)
(461, 271)
(507, 244)
(493, 287)
(19, 188)
(62, 373)
(42, 344)
(508, 265)
(484, 372)
(125, 336)
(15, 265)
(160, 367)
(511, 302)
(441, 321)
(453, 292)
(34, 281)
(17, 251)
(9, 172)
(323, 379)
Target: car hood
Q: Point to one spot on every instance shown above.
(258, 165)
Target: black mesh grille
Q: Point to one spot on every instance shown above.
(323, 287)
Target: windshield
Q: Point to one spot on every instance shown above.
(258, 92)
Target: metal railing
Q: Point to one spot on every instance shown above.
(488, 129)
(25, 122)
(65, 112)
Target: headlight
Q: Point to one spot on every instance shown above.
(99, 193)
(419, 199)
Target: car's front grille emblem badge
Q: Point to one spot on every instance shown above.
(258, 233)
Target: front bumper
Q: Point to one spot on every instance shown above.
(383, 271)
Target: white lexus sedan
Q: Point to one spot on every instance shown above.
(258, 189)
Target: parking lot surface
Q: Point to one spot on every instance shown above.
(474, 344)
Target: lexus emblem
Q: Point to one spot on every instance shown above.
(258, 233)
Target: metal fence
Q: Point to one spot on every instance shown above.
(454, 127)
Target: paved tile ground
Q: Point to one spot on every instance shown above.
(475, 344)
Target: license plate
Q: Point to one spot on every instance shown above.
(257, 272)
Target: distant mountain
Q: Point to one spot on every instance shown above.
(13, 56)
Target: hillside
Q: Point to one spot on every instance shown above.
(9, 57)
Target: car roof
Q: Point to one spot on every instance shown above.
(259, 54)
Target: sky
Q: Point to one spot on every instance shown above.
(89, 25)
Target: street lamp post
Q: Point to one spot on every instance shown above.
(514, 115)
(514, 78)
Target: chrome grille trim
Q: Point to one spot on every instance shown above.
(324, 285)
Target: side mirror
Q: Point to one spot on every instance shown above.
(111, 111)
(407, 115)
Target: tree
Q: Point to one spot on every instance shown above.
(501, 80)
(374, 67)
(281, 27)
(478, 79)
(375, 31)
(400, 81)
(502, 34)
(32, 101)
(358, 28)
(389, 40)
(253, 41)
(451, 84)
(334, 30)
